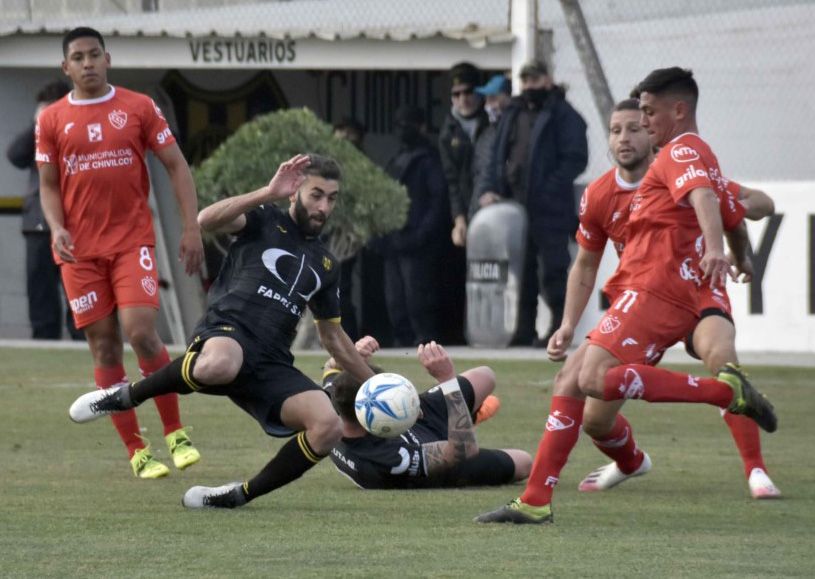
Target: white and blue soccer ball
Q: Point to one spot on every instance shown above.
(387, 405)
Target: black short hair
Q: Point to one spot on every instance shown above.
(80, 32)
(322, 166)
(349, 124)
(672, 81)
(52, 92)
(345, 388)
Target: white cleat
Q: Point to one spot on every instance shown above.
(610, 476)
(226, 496)
(96, 404)
(761, 487)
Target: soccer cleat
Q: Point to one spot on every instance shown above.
(98, 403)
(746, 399)
(489, 407)
(145, 466)
(610, 476)
(227, 496)
(183, 452)
(518, 512)
(761, 486)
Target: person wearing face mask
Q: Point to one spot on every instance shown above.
(413, 253)
(497, 95)
(540, 148)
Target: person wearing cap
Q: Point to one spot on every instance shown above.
(413, 253)
(540, 148)
(459, 132)
(497, 95)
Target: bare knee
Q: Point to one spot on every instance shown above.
(591, 380)
(216, 367)
(145, 342)
(597, 426)
(324, 433)
(106, 349)
(523, 463)
(566, 384)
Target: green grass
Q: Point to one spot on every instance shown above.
(71, 508)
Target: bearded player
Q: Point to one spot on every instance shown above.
(94, 187)
(612, 366)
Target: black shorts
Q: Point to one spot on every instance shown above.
(265, 381)
(488, 467)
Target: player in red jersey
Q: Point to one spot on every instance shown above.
(91, 149)
(634, 336)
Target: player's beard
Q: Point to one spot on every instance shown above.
(634, 163)
(309, 227)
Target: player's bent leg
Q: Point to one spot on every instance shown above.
(139, 325)
(591, 378)
(486, 404)
(522, 461)
(559, 438)
(714, 341)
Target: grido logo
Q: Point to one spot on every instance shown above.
(683, 153)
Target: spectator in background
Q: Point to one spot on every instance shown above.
(497, 95)
(459, 132)
(352, 131)
(413, 254)
(539, 150)
(462, 126)
(45, 297)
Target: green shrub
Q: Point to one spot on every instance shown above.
(371, 203)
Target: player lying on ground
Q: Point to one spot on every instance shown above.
(441, 449)
(276, 267)
(673, 233)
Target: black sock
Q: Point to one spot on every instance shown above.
(294, 459)
(174, 377)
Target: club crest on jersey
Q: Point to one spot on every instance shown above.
(609, 324)
(149, 285)
(327, 263)
(118, 119)
(95, 132)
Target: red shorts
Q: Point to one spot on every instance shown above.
(714, 299)
(639, 327)
(96, 287)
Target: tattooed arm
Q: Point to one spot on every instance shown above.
(461, 443)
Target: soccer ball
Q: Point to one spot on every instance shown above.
(387, 405)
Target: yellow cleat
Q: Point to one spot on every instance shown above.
(181, 448)
(145, 466)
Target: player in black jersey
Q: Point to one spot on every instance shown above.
(441, 449)
(275, 268)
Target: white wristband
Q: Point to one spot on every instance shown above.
(450, 386)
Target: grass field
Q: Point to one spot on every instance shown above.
(71, 508)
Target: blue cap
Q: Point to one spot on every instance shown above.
(496, 85)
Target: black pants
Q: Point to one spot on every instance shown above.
(412, 297)
(546, 269)
(45, 297)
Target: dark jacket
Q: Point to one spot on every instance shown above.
(20, 153)
(557, 155)
(482, 156)
(456, 152)
(419, 170)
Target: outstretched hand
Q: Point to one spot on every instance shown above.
(289, 177)
(436, 361)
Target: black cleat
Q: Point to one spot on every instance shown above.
(746, 399)
(519, 513)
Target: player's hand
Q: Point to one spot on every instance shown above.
(716, 267)
(366, 346)
(559, 343)
(459, 233)
(436, 361)
(63, 245)
(288, 178)
(488, 198)
(191, 250)
(742, 270)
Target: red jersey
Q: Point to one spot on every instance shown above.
(604, 212)
(664, 243)
(98, 146)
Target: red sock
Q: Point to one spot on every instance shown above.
(659, 385)
(167, 404)
(559, 438)
(748, 442)
(619, 446)
(126, 423)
